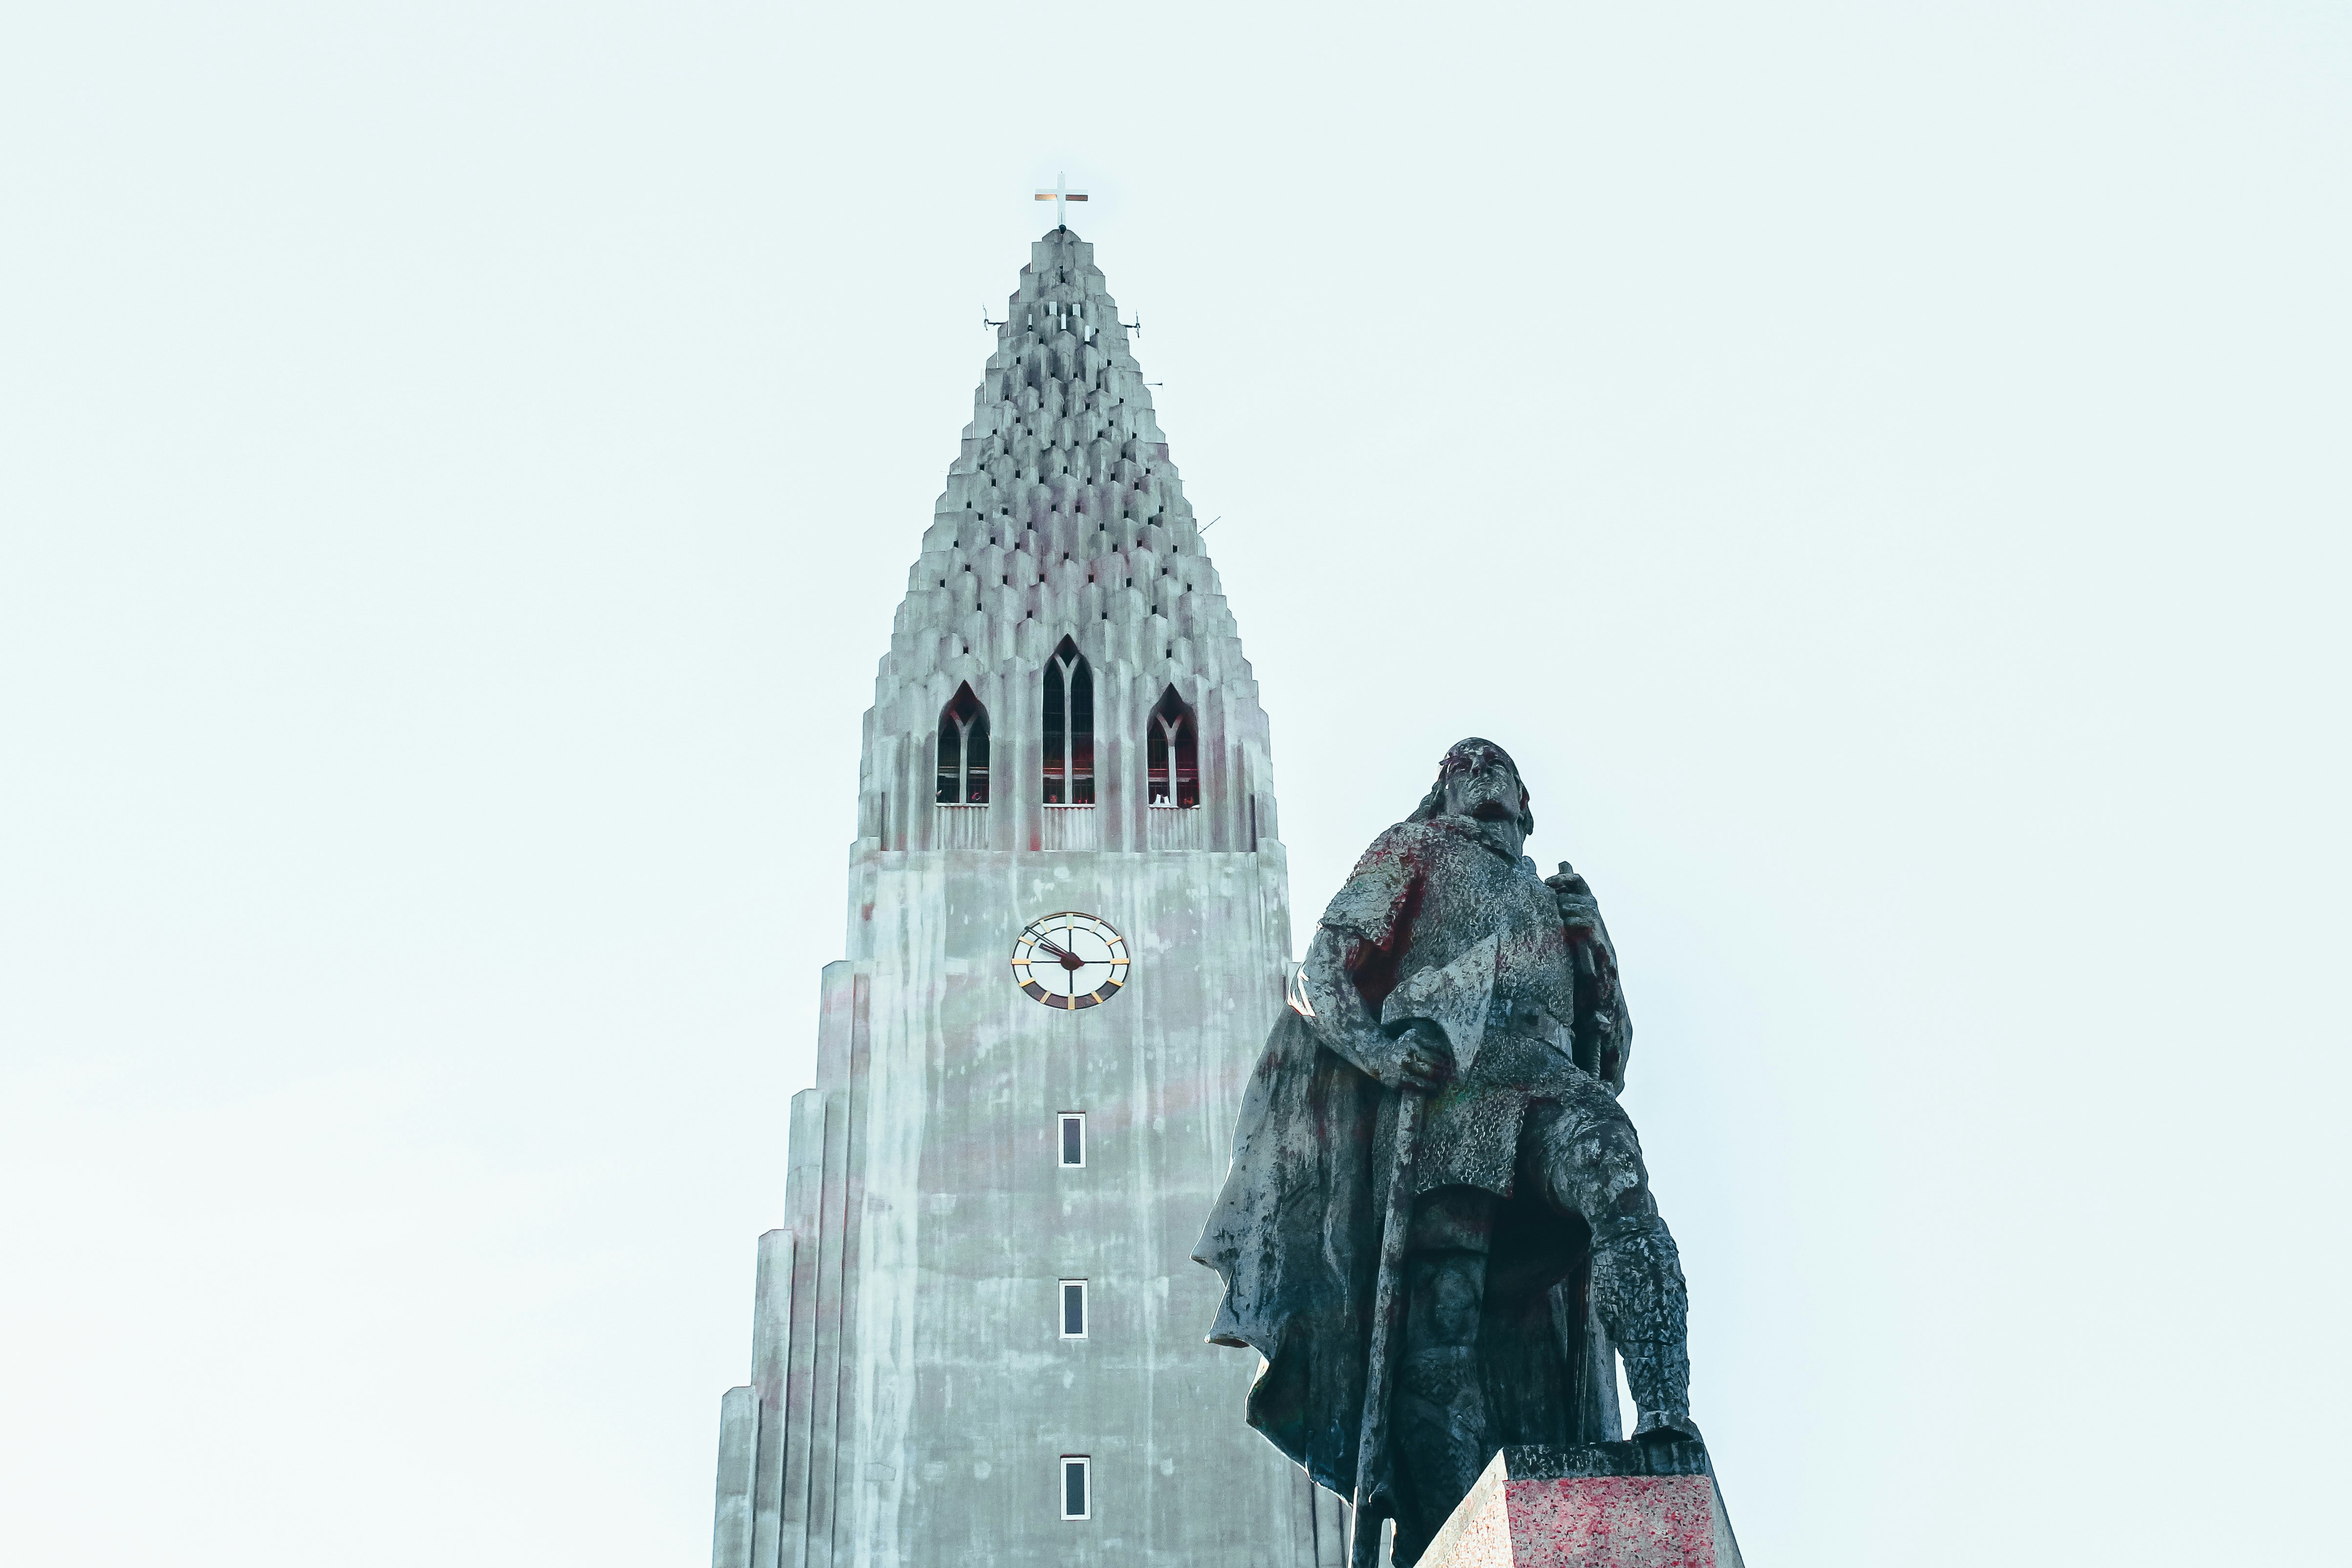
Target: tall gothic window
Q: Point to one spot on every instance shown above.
(1173, 753)
(1069, 728)
(964, 750)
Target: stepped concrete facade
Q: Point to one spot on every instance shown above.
(1064, 727)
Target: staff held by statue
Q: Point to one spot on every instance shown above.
(1454, 1003)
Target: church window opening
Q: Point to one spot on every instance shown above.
(1173, 754)
(1069, 727)
(963, 751)
(1074, 1308)
(1074, 1139)
(1076, 1485)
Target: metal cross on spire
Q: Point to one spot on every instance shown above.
(1060, 194)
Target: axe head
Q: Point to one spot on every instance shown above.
(1455, 999)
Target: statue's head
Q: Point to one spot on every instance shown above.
(1477, 777)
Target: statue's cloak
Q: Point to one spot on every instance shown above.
(1296, 1235)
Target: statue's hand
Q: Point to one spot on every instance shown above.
(1580, 912)
(1418, 1058)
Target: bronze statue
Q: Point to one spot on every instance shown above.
(1445, 1083)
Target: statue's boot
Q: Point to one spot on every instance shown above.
(1640, 1298)
(1443, 1441)
(1658, 1374)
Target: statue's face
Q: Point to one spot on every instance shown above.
(1480, 782)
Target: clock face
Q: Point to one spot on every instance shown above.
(1070, 960)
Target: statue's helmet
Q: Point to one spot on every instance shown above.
(1434, 803)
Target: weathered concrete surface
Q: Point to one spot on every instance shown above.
(1601, 1505)
(771, 1353)
(730, 1530)
(913, 1395)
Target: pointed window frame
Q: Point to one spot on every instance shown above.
(962, 774)
(1068, 770)
(1172, 753)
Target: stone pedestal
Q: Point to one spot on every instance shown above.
(1597, 1505)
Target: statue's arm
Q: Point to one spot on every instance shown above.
(1611, 1024)
(1604, 1028)
(1348, 1027)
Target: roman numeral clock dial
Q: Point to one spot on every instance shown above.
(1070, 960)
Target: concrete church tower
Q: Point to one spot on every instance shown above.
(1068, 930)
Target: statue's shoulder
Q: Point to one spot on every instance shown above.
(1399, 843)
(1383, 882)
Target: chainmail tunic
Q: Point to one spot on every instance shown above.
(1423, 895)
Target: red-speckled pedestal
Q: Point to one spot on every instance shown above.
(1564, 1507)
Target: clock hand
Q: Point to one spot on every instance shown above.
(1069, 960)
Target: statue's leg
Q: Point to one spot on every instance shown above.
(1589, 1162)
(1441, 1424)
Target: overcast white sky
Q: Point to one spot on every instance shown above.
(1882, 469)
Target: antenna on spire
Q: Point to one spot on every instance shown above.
(1060, 194)
(1135, 326)
(985, 321)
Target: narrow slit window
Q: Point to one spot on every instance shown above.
(963, 751)
(1078, 1490)
(1074, 1139)
(1069, 727)
(1074, 1308)
(1173, 754)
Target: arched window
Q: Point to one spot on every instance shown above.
(1174, 754)
(1069, 728)
(964, 750)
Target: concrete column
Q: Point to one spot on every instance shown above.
(804, 1208)
(1026, 793)
(845, 1450)
(825, 1370)
(731, 1535)
(771, 1333)
(1118, 779)
(835, 993)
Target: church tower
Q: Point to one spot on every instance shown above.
(978, 1336)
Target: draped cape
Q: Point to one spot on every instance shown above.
(1296, 1235)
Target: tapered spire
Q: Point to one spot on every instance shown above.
(1063, 517)
(1064, 498)
(1063, 421)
